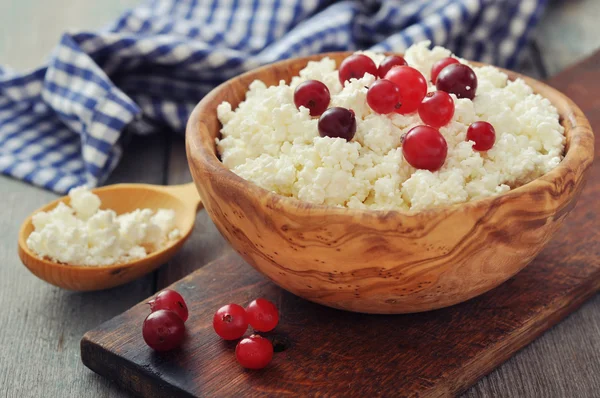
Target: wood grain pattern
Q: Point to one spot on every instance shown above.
(27, 45)
(42, 324)
(568, 32)
(564, 362)
(41, 348)
(335, 353)
(122, 198)
(431, 354)
(206, 243)
(383, 261)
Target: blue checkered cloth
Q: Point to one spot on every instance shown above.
(62, 125)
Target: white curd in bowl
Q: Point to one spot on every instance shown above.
(270, 142)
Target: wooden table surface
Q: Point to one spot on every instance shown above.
(41, 325)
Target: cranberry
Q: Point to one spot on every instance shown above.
(338, 122)
(312, 94)
(163, 330)
(230, 321)
(412, 86)
(439, 65)
(262, 315)
(457, 79)
(383, 96)
(483, 134)
(390, 62)
(254, 352)
(355, 67)
(170, 300)
(425, 148)
(437, 109)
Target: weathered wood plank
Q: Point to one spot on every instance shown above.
(30, 29)
(532, 64)
(565, 362)
(206, 243)
(42, 324)
(337, 353)
(571, 258)
(568, 32)
(40, 307)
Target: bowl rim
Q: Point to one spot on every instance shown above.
(578, 155)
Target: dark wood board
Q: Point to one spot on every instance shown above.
(334, 353)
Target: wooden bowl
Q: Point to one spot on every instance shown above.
(383, 261)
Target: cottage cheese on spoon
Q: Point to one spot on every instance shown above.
(82, 234)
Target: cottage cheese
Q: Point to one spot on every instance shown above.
(268, 141)
(82, 234)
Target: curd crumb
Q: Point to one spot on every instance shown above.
(83, 234)
(268, 141)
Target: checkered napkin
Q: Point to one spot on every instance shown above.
(61, 125)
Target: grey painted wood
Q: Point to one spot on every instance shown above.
(568, 32)
(30, 29)
(564, 362)
(41, 325)
(206, 243)
(530, 64)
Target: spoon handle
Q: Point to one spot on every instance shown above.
(187, 193)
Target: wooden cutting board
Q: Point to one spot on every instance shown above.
(328, 352)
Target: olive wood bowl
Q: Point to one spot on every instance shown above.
(383, 261)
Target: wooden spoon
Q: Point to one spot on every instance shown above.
(121, 198)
